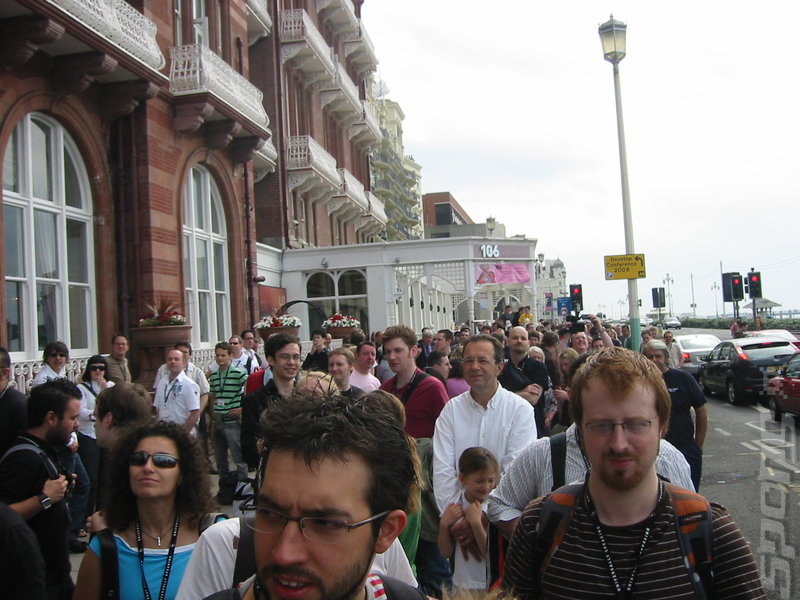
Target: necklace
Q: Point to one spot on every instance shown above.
(157, 538)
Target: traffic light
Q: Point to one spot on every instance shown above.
(726, 287)
(576, 295)
(754, 277)
(658, 297)
(737, 288)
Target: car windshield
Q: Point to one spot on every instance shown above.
(768, 350)
(698, 342)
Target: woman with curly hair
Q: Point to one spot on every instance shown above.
(157, 492)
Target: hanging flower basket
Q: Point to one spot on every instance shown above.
(281, 323)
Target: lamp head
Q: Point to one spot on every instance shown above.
(612, 36)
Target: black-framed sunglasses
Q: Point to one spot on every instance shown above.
(97, 367)
(162, 460)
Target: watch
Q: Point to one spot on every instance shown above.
(45, 501)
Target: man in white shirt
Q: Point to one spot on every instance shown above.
(250, 346)
(177, 397)
(362, 377)
(487, 415)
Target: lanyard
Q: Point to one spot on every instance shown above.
(167, 568)
(169, 388)
(624, 593)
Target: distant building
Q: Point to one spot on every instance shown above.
(396, 177)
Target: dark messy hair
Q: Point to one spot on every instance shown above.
(53, 395)
(194, 494)
(335, 427)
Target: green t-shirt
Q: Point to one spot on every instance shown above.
(227, 387)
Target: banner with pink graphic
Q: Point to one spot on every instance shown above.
(501, 273)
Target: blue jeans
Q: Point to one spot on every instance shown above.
(433, 569)
(228, 436)
(79, 496)
(90, 456)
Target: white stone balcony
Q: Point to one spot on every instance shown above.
(351, 202)
(340, 95)
(311, 169)
(340, 14)
(303, 44)
(360, 50)
(367, 128)
(121, 24)
(196, 69)
(265, 160)
(376, 208)
(259, 23)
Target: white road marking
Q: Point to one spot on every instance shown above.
(722, 431)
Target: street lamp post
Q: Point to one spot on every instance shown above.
(612, 36)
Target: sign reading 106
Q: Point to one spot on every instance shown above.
(490, 251)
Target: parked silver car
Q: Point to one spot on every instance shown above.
(694, 348)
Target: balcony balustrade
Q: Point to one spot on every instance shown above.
(196, 69)
(360, 50)
(340, 95)
(367, 128)
(303, 44)
(121, 24)
(311, 169)
(259, 23)
(340, 14)
(352, 192)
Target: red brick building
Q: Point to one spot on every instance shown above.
(140, 142)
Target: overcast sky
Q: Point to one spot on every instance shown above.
(510, 107)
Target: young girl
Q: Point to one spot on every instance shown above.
(478, 473)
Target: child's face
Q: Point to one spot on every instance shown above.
(479, 484)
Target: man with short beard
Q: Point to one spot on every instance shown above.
(338, 481)
(33, 481)
(621, 536)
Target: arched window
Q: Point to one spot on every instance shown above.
(340, 291)
(47, 238)
(205, 261)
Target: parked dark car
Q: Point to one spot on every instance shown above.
(783, 390)
(740, 368)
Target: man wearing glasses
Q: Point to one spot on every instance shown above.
(118, 370)
(620, 527)
(337, 484)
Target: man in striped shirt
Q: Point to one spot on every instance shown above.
(621, 540)
(226, 386)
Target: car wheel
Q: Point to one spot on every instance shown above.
(777, 413)
(733, 396)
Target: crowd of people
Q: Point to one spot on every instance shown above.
(403, 465)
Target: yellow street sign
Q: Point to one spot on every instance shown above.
(625, 266)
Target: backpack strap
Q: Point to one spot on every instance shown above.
(558, 459)
(551, 527)
(398, 590)
(245, 558)
(52, 470)
(109, 563)
(415, 381)
(89, 387)
(695, 527)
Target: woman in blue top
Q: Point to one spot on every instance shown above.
(156, 493)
